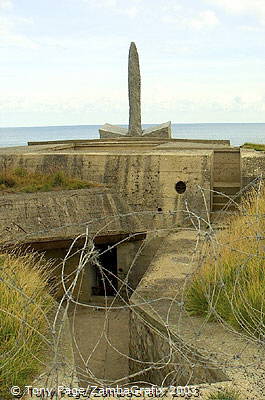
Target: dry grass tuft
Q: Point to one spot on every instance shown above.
(225, 394)
(21, 180)
(230, 285)
(25, 305)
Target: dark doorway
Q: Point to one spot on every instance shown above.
(106, 282)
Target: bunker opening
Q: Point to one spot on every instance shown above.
(105, 272)
(180, 187)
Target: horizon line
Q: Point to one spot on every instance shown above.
(124, 124)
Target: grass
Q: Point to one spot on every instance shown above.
(230, 285)
(25, 304)
(254, 146)
(21, 180)
(224, 394)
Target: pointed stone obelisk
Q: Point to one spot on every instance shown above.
(134, 91)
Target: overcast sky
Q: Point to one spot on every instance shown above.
(64, 62)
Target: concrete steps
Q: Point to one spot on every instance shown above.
(225, 196)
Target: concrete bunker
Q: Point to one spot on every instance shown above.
(147, 182)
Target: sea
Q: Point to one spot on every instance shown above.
(238, 133)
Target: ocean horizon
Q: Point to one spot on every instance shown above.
(237, 133)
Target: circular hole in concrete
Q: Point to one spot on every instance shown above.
(180, 187)
(159, 209)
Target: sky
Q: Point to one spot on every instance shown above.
(64, 62)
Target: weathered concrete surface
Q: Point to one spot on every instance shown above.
(120, 140)
(133, 260)
(101, 344)
(63, 272)
(162, 131)
(112, 131)
(159, 131)
(177, 348)
(151, 341)
(252, 166)
(62, 215)
(144, 181)
(227, 165)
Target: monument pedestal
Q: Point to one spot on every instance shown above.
(162, 131)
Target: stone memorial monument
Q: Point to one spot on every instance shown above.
(134, 92)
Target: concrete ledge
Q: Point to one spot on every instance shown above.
(118, 139)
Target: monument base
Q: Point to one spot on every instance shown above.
(162, 131)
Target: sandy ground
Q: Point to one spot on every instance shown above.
(96, 359)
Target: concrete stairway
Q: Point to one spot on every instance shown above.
(225, 196)
(226, 178)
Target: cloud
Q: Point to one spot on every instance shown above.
(243, 7)
(6, 4)
(118, 7)
(205, 19)
(202, 20)
(9, 35)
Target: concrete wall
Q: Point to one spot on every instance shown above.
(252, 166)
(162, 358)
(133, 259)
(145, 181)
(83, 288)
(227, 165)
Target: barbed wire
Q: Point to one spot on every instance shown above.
(104, 311)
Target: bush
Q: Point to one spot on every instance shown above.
(25, 305)
(231, 285)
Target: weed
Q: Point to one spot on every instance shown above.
(224, 394)
(58, 179)
(7, 182)
(21, 180)
(20, 171)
